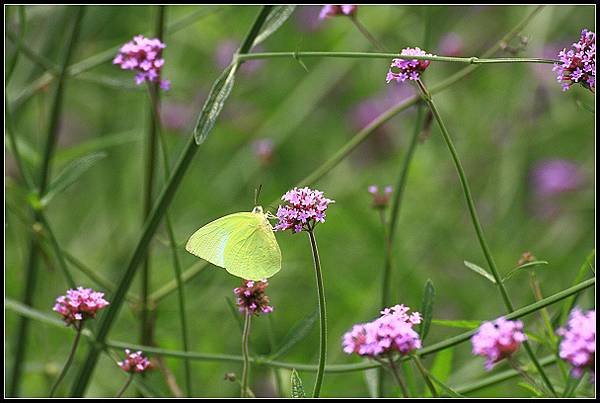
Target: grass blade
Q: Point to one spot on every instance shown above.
(296, 334)
(297, 387)
(480, 271)
(521, 268)
(427, 308)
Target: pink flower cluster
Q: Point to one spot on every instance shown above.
(306, 207)
(380, 199)
(497, 340)
(134, 362)
(144, 56)
(391, 332)
(578, 64)
(332, 10)
(251, 297)
(402, 70)
(79, 304)
(578, 345)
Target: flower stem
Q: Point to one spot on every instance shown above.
(397, 376)
(63, 372)
(322, 314)
(476, 223)
(246, 353)
(386, 55)
(425, 375)
(127, 383)
(365, 32)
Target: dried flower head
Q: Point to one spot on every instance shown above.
(526, 257)
(497, 340)
(79, 305)
(380, 199)
(305, 208)
(263, 149)
(578, 346)
(578, 64)
(144, 56)
(402, 70)
(251, 297)
(332, 10)
(134, 362)
(391, 332)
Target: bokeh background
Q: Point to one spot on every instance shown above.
(527, 148)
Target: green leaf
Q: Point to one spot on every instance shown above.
(447, 389)
(522, 268)
(96, 144)
(569, 303)
(461, 324)
(427, 308)
(442, 364)
(296, 334)
(480, 271)
(297, 387)
(214, 104)
(70, 174)
(278, 15)
(531, 388)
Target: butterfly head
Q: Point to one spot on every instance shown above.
(257, 210)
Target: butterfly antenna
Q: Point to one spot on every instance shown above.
(257, 194)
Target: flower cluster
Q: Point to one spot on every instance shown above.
(497, 340)
(578, 345)
(306, 207)
(144, 56)
(402, 70)
(251, 297)
(391, 332)
(134, 362)
(578, 64)
(332, 10)
(380, 199)
(79, 304)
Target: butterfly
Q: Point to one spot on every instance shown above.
(242, 243)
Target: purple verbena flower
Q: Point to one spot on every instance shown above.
(578, 346)
(380, 199)
(144, 56)
(332, 10)
(134, 362)
(391, 332)
(79, 305)
(555, 176)
(451, 44)
(305, 208)
(402, 70)
(251, 297)
(578, 64)
(497, 340)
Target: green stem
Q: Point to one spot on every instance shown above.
(57, 251)
(173, 285)
(373, 55)
(13, 63)
(246, 353)
(363, 134)
(31, 268)
(31, 313)
(397, 377)
(365, 32)
(425, 375)
(322, 314)
(69, 361)
(127, 383)
(476, 223)
(160, 208)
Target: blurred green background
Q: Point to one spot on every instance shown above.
(506, 120)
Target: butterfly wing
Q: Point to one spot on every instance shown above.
(241, 243)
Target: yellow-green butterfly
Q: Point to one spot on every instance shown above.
(241, 243)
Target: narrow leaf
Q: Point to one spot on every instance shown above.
(461, 324)
(447, 389)
(522, 268)
(297, 387)
(278, 15)
(427, 308)
(296, 334)
(70, 174)
(214, 104)
(480, 271)
(372, 380)
(442, 365)
(531, 388)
